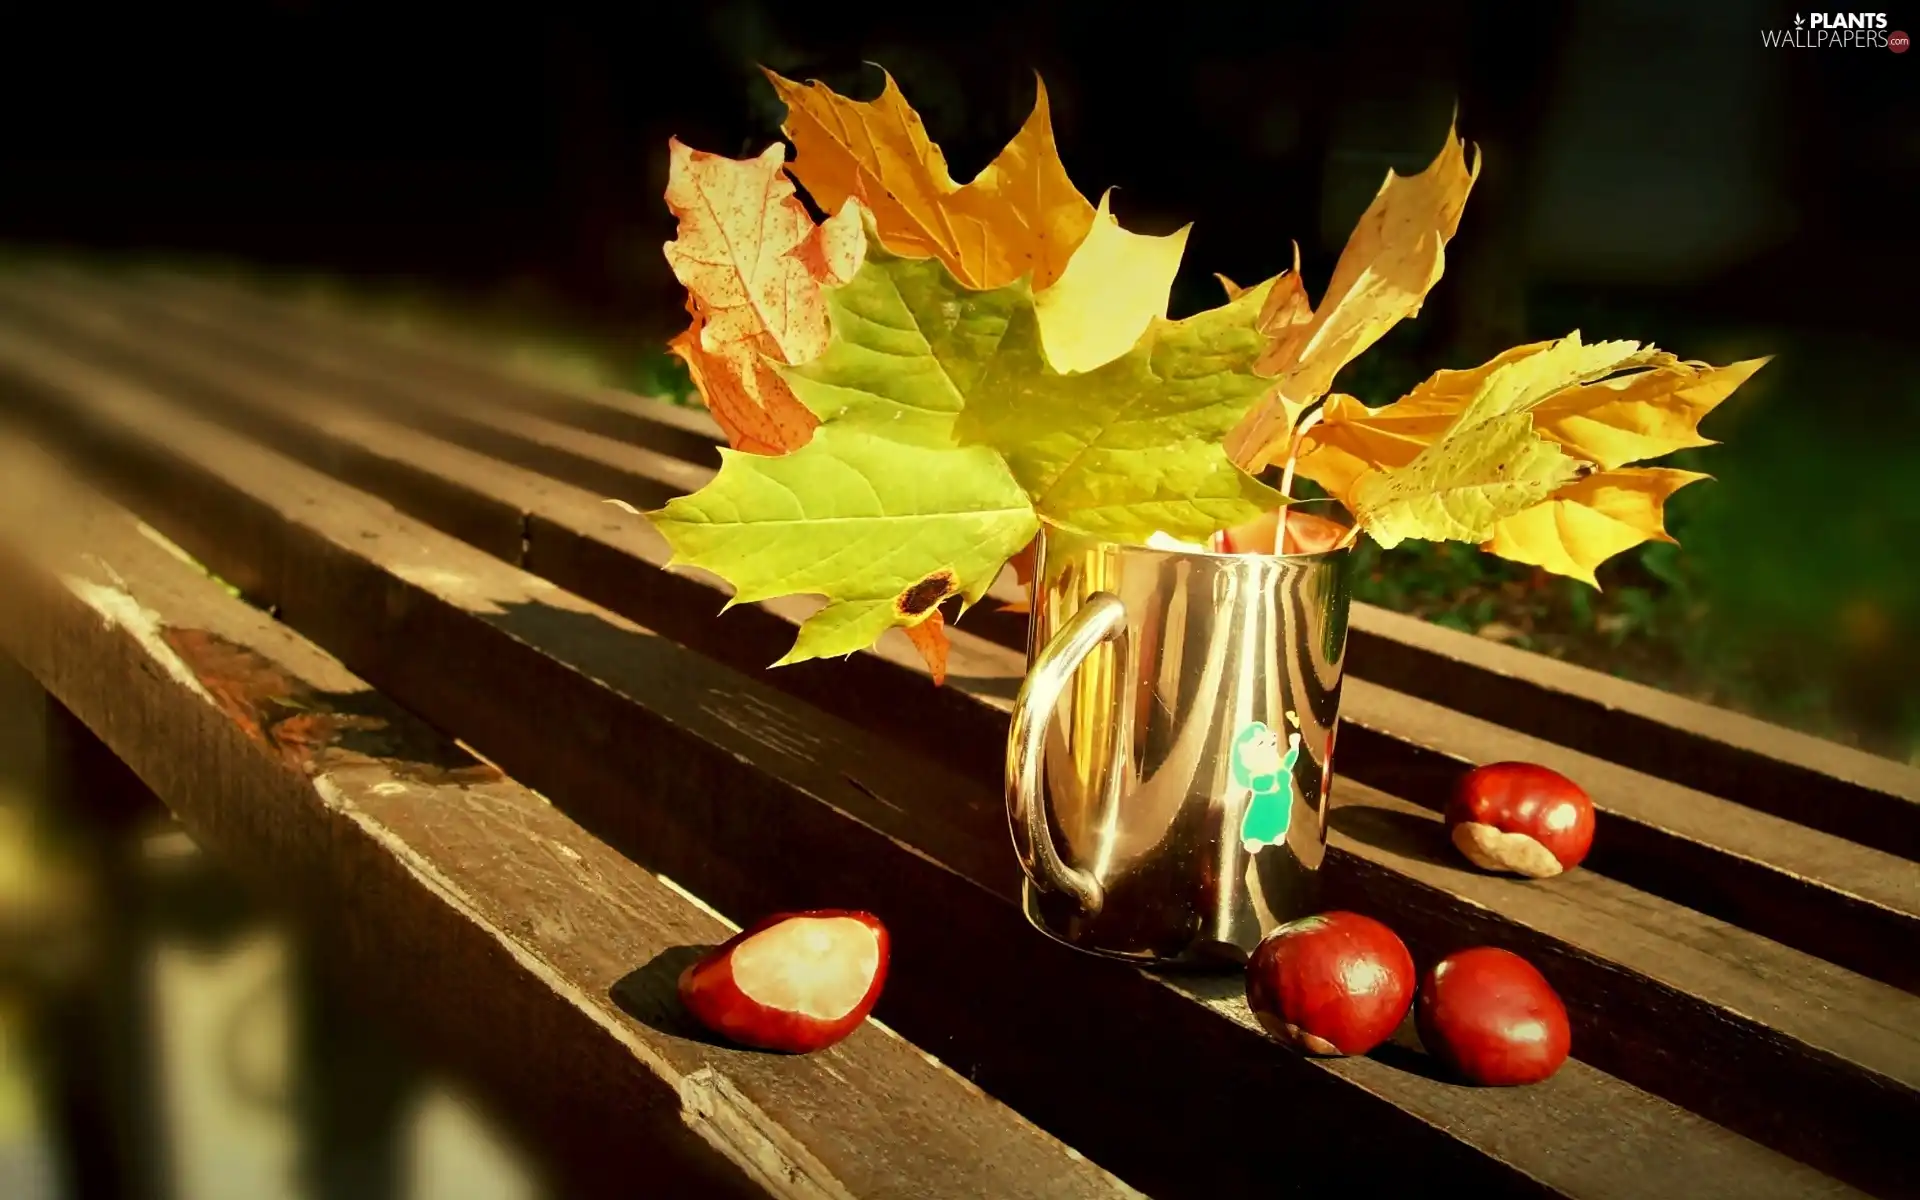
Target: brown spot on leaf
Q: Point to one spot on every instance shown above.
(925, 594)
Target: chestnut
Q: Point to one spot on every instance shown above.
(1335, 983)
(1520, 817)
(794, 981)
(1491, 1018)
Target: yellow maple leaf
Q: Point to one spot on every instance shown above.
(1391, 261)
(1564, 386)
(1113, 287)
(1640, 416)
(1589, 521)
(1019, 216)
(1524, 382)
(1351, 439)
(1462, 486)
(753, 263)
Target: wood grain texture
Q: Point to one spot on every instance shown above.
(526, 943)
(621, 727)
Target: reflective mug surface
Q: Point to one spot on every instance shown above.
(1170, 760)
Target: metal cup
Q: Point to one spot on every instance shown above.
(1170, 760)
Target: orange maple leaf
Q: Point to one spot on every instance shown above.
(754, 264)
(1392, 259)
(1021, 216)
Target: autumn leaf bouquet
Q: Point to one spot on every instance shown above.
(913, 384)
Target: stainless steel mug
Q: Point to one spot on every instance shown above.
(1170, 761)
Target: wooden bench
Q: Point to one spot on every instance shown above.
(462, 705)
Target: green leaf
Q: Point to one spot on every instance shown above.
(1123, 450)
(909, 344)
(883, 529)
(1135, 445)
(1463, 485)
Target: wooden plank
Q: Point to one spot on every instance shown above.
(1846, 903)
(486, 381)
(528, 944)
(1818, 893)
(1814, 782)
(619, 726)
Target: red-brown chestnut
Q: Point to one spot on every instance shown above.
(1520, 817)
(795, 982)
(1492, 1019)
(1335, 983)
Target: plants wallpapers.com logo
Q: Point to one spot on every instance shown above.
(1845, 31)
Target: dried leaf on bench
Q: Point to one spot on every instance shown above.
(884, 530)
(1393, 258)
(753, 263)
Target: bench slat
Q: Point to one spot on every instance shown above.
(598, 717)
(511, 935)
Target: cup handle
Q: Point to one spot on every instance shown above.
(1102, 618)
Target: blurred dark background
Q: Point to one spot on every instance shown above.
(1651, 171)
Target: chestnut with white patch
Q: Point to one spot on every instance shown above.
(1521, 817)
(796, 982)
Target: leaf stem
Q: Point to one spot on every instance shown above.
(1293, 449)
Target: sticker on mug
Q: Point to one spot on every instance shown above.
(1267, 775)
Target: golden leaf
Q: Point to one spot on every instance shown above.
(1641, 416)
(1522, 382)
(753, 263)
(1351, 440)
(1019, 216)
(1391, 261)
(1591, 520)
(1606, 421)
(1115, 284)
(1461, 487)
